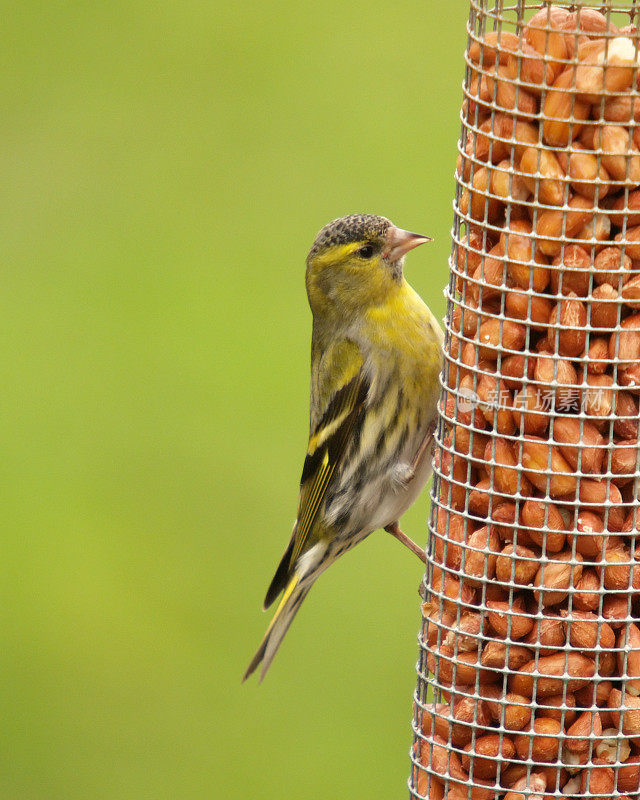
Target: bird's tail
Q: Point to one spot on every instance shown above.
(294, 594)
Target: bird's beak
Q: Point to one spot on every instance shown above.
(399, 242)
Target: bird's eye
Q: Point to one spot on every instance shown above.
(367, 251)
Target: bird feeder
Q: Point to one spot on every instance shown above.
(529, 666)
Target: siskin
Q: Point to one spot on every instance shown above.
(376, 354)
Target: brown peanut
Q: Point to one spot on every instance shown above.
(554, 579)
(506, 620)
(550, 669)
(541, 169)
(589, 538)
(533, 309)
(545, 466)
(585, 631)
(479, 556)
(547, 634)
(559, 106)
(627, 415)
(496, 337)
(500, 655)
(588, 178)
(598, 355)
(517, 711)
(571, 319)
(587, 593)
(620, 157)
(543, 743)
(587, 725)
(625, 347)
(612, 266)
(629, 207)
(507, 477)
(604, 307)
(550, 224)
(538, 516)
(529, 411)
(571, 273)
(492, 747)
(599, 781)
(631, 292)
(495, 45)
(588, 443)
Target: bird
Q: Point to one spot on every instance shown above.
(376, 356)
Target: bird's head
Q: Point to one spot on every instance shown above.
(355, 262)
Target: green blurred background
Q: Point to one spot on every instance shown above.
(165, 167)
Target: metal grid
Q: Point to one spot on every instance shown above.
(529, 668)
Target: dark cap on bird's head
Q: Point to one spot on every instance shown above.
(395, 242)
(354, 228)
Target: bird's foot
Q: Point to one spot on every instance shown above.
(395, 531)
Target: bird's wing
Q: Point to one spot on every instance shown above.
(337, 404)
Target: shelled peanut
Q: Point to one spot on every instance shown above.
(535, 569)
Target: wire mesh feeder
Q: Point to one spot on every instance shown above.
(529, 669)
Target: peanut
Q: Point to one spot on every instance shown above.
(499, 655)
(572, 321)
(620, 157)
(506, 620)
(542, 170)
(549, 227)
(598, 355)
(468, 713)
(559, 106)
(494, 45)
(629, 775)
(543, 743)
(631, 292)
(631, 241)
(537, 516)
(550, 669)
(589, 538)
(599, 781)
(627, 414)
(479, 556)
(517, 564)
(588, 178)
(507, 477)
(529, 411)
(571, 273)
(547, 634)
(554, 579)
(583, 729)
(625, 347)
(587, 593)
(604, 307)
(588, 452)
(612, 266)
(546, 467)
(586, 632)
(533, 309)
(627, 206)
(497, 337)
(629, 658)
(483, 756)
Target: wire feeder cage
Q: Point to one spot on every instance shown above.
(529, 668)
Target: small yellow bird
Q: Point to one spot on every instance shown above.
(376, 354)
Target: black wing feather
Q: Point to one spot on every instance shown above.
(352, 396)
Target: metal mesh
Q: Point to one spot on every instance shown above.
(529, 668)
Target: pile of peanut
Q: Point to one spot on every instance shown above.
(534, 579)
